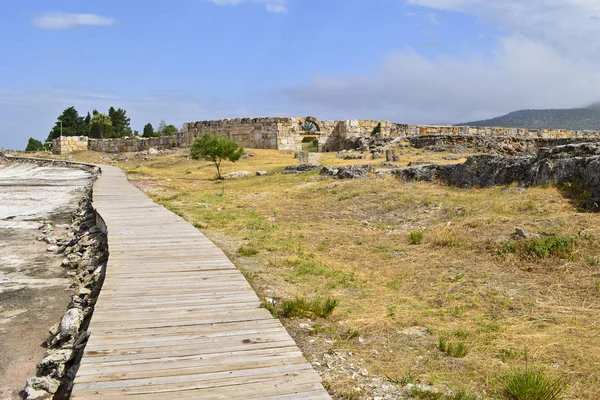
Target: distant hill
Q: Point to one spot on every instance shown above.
(572, 118)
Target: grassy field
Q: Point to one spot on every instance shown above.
(432, 286)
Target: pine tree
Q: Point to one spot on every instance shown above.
(148, 130)
(72, 125)
(120, 122)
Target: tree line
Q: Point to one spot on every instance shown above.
(114, 124)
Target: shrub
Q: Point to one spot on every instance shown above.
(415, 237)
(34, 145)
(530, 384)
(377, 130)
(559, 246)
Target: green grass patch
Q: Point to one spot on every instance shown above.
(415, 237)
(247, 251)
(551, 245)
(301, 307)
(454, 348)
(307, 266)
(531, 384)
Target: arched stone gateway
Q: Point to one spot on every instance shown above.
(311, 126)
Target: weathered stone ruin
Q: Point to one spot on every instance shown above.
(576, 166)
(286, 134)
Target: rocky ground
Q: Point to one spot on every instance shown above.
(34, 287)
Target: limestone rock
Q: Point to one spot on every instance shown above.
(575, 164)
(36, 384)
(298, 169)
(237, 175)
(71, 322)
(56, 357)
(360, 171)
(261, 173)
(50, 240)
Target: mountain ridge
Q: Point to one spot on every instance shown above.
(587, 118)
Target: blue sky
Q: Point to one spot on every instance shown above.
(410, 61)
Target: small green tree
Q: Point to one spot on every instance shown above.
(216, 148)
(101, 123)
(170, 130)
(376, 130)
(148, 130)
(34, 145)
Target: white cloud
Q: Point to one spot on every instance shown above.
(61, 20)
(273, 6)
(571, 26)
(413, 89)
(547, 59)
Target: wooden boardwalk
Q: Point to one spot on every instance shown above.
(176, 319)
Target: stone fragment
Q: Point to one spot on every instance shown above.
(237, 175)
(50, 239)
(71, 322)
(41, 383)
(52, 249)
(83, 291)
(359, 171)
(298, 169)
(261, 173)
(522, 233)
(61, 356)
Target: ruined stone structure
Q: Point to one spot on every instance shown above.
(69, 144)
(286, 134)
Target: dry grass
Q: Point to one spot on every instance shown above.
(311, 236)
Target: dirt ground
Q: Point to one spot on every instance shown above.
(34, 288)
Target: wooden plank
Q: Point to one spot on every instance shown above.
(176, 319)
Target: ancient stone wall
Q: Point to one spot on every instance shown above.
(254, 133)
(132, 144)
(285, 134)
(426, 130)
(69, 144)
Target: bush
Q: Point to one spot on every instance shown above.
(529, 384)
(34, 145)
(377, 130)
(551, 245)
(415, 237)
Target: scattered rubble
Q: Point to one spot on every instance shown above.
(298, 169)
(575, 165)
(359, 171)
(86, 257)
